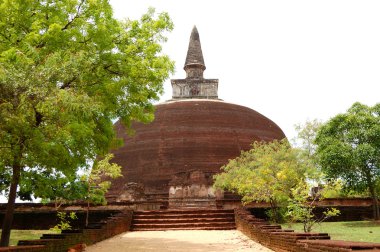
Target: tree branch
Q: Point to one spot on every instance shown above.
(4, 36)
(68, 83)
(75, 17)
(111, 71)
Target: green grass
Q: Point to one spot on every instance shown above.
(17, 235)
(363, 231)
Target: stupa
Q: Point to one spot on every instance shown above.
(173, 159)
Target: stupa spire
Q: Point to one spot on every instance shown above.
(194, 64)
(194, 86)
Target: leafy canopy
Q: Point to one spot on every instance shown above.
(267, 172)
(306, 134)
(349, 149)
(301, 207)
(67, 68)
(349, 146)
(97, 179)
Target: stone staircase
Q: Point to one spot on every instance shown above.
(189, 219)
(192, 203)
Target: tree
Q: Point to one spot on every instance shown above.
(51, 186)
(307, 133)
(301, 207)
(67, 69)
(64, 221)
(348, 148)
(97, 181)
(305, 143)
(267, 172)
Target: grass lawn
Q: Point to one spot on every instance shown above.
(17, 235)
(363, 231)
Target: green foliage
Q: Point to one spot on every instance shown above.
(301, 208)
(267, 172)
(277, 214)
(334, 189)
(53, 187)
(349, 149)
(307, 133)
(64, 221)
(98, 179)
(67, 69)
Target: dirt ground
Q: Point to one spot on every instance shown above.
(181, 241)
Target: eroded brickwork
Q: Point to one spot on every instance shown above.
(281, 240)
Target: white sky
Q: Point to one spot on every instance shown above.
(289, 60)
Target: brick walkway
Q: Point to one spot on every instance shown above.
(181, 241)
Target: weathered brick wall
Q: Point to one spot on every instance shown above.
(42, 220)
(36, 248)
(61, 242)
(38, 216)
(347, 213)
(278, 239)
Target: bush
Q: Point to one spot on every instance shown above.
(64, 221)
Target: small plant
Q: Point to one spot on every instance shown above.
(277, 215)
(301, 208)
(97, 181)
(64, 221)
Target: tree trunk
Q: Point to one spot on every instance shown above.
(375, 205)
(8, 218)
(87, 211)
(376, 213)
(88, 203)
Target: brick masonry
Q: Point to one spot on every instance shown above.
(185, 137)
(280, 240)
(40, 216)
(259, 230)
(61, 242)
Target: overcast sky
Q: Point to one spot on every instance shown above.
(289, 60)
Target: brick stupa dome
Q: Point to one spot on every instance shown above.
(191, 137)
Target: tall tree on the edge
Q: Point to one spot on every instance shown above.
(349, 148)
(67, 68)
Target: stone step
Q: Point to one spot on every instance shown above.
(37, 242)
(193, 207)
(181, 211)
(183, 225)
(72, 231)
(182, 216)
(184, 220)
(53, 236)
(95, 225)
(187, 228)
(201, 204)
(270, 226)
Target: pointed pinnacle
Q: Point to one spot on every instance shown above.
(194, 53)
